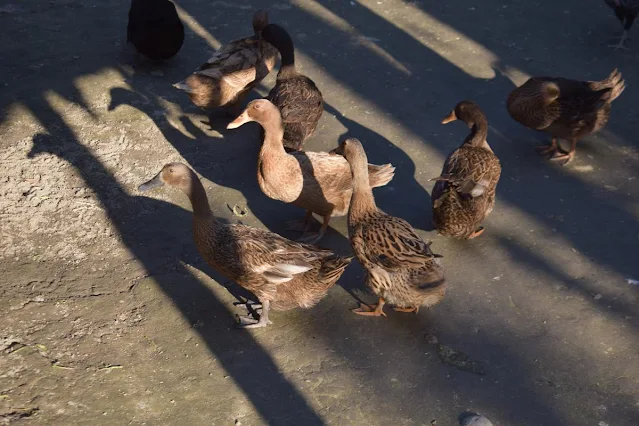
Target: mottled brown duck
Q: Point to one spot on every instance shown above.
(318, 182)
(464, 194)
(567, 109)
(282, 274)
(233, 70)
(400, 267)
(299, 100)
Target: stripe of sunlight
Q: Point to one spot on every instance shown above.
(442, 39)
(333, 20)
(454, 47)
(195, 26)
(350, 104)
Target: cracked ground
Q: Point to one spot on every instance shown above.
(109, 316)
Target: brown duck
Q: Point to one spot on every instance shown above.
(299, 100)
(316, 181)
(282, 274)
(233, 70)
(464, 194)
(401, 268)
(567, 109)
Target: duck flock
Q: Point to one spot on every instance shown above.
(401, 268)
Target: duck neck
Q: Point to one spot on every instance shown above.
(362, 200)
(196, 193)
(287, 68)
(273, 137)
(478, 132)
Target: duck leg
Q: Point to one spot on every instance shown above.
(248, 305)
(248, 322)
(622, 42)
(477, 233)
(568, 157)
(414, 309)
(371, 311)
(313, 238)
(548, 150)
(301, 225)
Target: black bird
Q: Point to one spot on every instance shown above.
(154, 29)
(626, 11)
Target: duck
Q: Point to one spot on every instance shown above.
(401, 269)
(626, 11)
(567, 109)
(299, 100)
(319, 182)
(233, 71)
(464, 194)
(282, 274)
(155, 29)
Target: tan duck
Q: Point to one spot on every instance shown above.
(464, 194)
(282, 274)
(567, 109)
(401, 268)
(316, 181)
(233, 70)
(299, 100)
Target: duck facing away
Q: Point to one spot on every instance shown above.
(464, 194)
(401, 268)
(155, 29)
(567, 109)
(318, 182)
(282, 274)
(626, 11)
(233, 70)
(299, 100)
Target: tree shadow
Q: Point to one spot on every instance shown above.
(152, 239)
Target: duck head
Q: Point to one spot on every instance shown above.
(260, 110)
(466, 111)
(177, 175)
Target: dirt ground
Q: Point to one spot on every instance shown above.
(109, 316)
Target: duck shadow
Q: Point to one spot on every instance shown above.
(403, 197)
(159, 235)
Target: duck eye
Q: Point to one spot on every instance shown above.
(170, 170)
(257, 106)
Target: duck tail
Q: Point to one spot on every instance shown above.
(333, 267)
(610, 88)
(617, 84)
(380, 175)
(260, 20)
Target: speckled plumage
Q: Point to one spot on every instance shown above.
(568, 109)
(233, 70)
(283, 274)
(400, 267)
(464, 194)
(299, 100)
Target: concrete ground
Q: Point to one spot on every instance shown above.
(109, 316)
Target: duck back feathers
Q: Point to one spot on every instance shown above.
(233, 70)
(563, 107)
(155, 29)
(298, 98)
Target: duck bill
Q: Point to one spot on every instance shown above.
(450, 117)
(242, 119)
(156, 182)
(183, 86)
